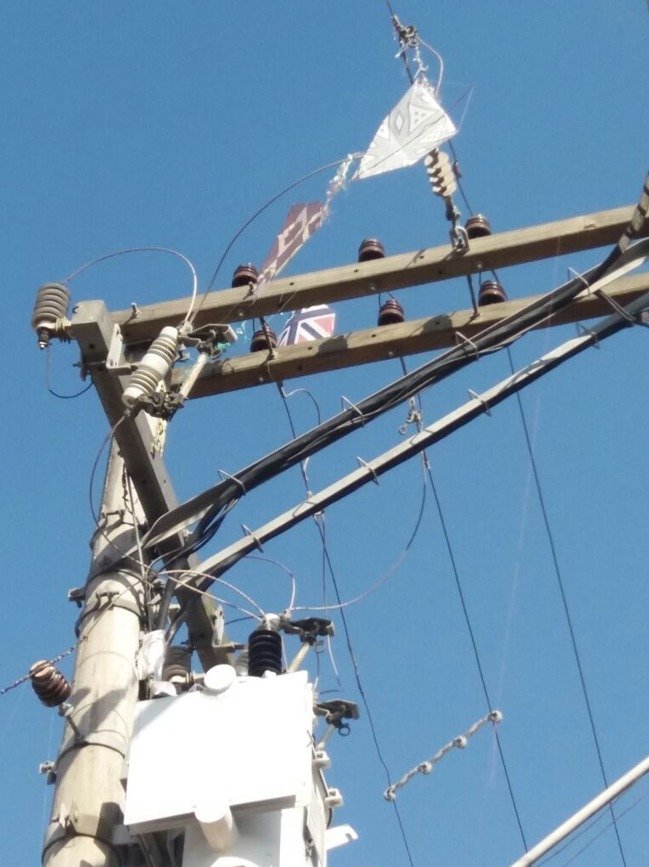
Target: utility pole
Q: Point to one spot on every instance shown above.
(258, 796)
(89, 795)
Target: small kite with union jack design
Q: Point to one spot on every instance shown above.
(309, 323)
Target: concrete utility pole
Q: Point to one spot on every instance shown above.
(264, 802)
(89, 795)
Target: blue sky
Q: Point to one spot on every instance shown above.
(167, 123)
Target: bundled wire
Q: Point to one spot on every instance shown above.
(210, 507)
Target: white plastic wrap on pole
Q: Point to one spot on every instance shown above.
(150, 658)
(155, 365)
(560, 833)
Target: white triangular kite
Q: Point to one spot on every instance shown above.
(415, 126)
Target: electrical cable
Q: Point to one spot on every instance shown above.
(291, 605)
(254, 216)
(580, 832)
(321, 525)
(603, 830)
(564, 598)
(458, 176)
(361, 690)
(70, 650)
(479, 404)
(394, 566)
(474, 645)
(49, 386)
(211, 503)
(189, 573)
(138, 562)
(456, 574)
(129, 250)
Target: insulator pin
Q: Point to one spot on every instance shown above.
(491, 292)
(440, 173)
(265, 338)
(264, 652)
(52, 687)
(371, 248)
(390, 313)
(477, 226)
(51, 304)
(155, 365)
(244, 275)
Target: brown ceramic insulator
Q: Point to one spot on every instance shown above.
(477, 226)
(49, 684)
(390, 312)
(371, 248)
(491, 292)
(265, 338)
(244, 275)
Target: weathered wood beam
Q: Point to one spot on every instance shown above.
(389, 341)
(383, 275)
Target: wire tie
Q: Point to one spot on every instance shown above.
(234, 479)
(575, 275)
(254, 538)
(469, 341)
(369, 469)
(619, 310)
(583, 331)
(347, 404)
(480, 399)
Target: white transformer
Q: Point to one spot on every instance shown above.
(234, 766)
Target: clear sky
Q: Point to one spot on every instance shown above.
(168, 123)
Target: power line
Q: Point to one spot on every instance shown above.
(564, 598)
(361, 690)
(474, 645)
(320, 524)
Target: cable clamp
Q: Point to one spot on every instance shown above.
(234, 479)
(369, 469)
(582, 331)
(468, 341)
(480, 399)
(347, 404)
(248, 532)
(575, 275)
(459, 239)
(616, 307)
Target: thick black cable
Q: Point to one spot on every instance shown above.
(210, 503)
(474, 645)
(564, 598)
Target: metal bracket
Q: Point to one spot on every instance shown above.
(115, 362)
(249, 532)
(616, 307)
(468, 341)
(347, 404)
(480, 399)
(369, 469)
(308, 629)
